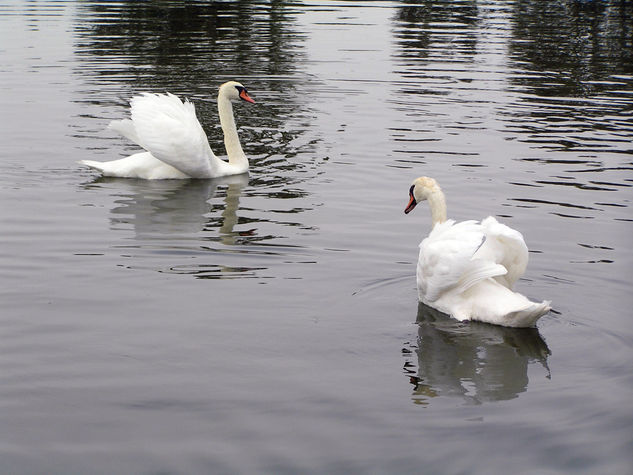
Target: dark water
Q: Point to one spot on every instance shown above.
(269, 324)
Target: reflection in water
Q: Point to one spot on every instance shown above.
(192, 39)
(175, 207)
(439, 51)
(419, 37)
(167, 214)
(178, 228)
(574, 66)
(557, 76)
(229, 214)
(575, 45)
(474, 361)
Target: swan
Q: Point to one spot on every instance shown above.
(467, 269)
(175, 143)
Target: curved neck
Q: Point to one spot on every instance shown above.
(437, 203)
(231, 140)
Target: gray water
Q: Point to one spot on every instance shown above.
(269, 323)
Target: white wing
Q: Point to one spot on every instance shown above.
(126, 128)
(504, 246)
(169, 129)
(447, 259)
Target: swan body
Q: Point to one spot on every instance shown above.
(468, 269)
(175, 143)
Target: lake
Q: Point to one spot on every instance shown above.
(269, 323)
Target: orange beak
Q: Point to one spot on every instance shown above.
(245, 97)
(411, 204)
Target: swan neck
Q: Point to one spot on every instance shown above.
(437, 203)
(231, 140)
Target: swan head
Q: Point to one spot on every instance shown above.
(234, 91)
(421, 189)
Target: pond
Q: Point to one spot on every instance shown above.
(269, 323)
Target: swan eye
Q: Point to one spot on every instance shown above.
(411, 190)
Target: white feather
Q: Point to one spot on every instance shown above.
(468, 269)
(504, 246)
(126, 128)
(175, 143)
(139, 165)
(169, 129)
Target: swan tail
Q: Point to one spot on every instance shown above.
(93, 164)
(140, 165)
(528, 316)
(110, 168)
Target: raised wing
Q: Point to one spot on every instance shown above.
(126, 128)
(504, 246)
(447, 259)
(169, 129)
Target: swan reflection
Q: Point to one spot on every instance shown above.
(474, 361)
(176, 207)
(178, 227)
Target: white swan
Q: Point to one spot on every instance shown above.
(468, 269)
(176, 144)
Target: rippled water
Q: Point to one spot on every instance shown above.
(269, 324)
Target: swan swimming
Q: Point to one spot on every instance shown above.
(467, 269)
(175, 143)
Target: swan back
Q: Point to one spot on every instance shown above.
(446, 259)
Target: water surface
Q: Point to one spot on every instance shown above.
(269, 323)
